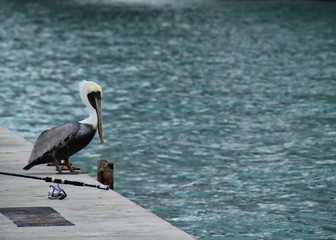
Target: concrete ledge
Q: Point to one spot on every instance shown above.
(96, 214)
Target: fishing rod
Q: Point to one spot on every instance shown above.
(56, 180)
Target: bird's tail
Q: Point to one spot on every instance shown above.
(29, 166)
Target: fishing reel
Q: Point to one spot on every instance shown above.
(56, 192)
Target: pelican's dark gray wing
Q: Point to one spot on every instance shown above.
(50, 141)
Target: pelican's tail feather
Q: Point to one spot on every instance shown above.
(29, 166)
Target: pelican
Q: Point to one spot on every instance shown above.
(61, 142)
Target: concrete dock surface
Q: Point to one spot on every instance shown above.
(86, 213)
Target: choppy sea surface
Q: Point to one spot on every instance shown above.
(220, 116)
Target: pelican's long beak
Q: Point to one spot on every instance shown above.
(100, 119)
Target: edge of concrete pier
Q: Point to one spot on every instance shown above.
(87, 213)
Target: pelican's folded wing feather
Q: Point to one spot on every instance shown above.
(52, 139)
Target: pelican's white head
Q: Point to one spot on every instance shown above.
(91, 94)
(86, 87)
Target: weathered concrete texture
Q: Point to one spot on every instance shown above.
(96, 214)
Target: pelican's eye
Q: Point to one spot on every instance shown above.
(92, 96)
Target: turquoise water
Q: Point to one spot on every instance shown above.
(219, 116)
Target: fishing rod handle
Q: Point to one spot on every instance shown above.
(61, 181)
